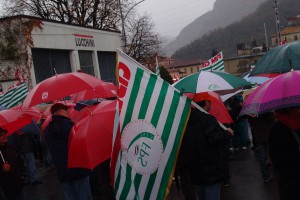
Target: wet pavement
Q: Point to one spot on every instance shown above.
(246, 182)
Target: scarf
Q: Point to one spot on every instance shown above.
(291, 120)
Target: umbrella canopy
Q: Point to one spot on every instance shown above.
(280, 59)
(91, 137)
(280, 92)
(204, 81)
(218, 109)
(105, 90)
(256, 79)
(16, 118)
(60, 86)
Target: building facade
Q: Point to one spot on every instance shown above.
(60, 48)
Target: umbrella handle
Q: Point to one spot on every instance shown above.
(2, 157)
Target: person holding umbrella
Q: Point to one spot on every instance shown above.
(74, 181)
(284, 146)
(11, 170)
(201, 152)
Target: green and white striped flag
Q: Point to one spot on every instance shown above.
(153, 117)
(214, 64)
(14, 95)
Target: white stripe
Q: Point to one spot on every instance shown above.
(169, 147)
(159, 128)
(135, 114)
(116, 125)
(211, 79)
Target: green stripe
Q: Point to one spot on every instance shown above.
(12, 95)
(127, 183)
(127, 119)
(150, 185)
(133, 96)
(147, 96)
(12, 90)
(218, 63)
(171, 162)
(154, 122)
(117, 182)
(164, 137)
(144, 107)
(16, 99)
(159, 103)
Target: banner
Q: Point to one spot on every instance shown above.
(215, 63)
(152, 119)
(13, 95)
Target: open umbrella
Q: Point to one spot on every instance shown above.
(105, 90)
(280, 59)
(90, 141)
(280, 92)
(218, 108)
(60, 86)
(204, 81)
(15, 118)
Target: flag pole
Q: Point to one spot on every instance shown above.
(2, 157)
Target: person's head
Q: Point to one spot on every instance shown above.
(205, 104)
(3, 136)
(60, 109)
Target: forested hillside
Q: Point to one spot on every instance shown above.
(224, 13)
(249, 28)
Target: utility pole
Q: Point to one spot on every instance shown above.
(277, 23)
(266, 37)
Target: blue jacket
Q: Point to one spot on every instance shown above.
(57, 138)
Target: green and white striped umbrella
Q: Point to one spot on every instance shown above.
(204, 81)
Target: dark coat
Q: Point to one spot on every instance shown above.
(261, 126)
(12, 182)
(57, 138)
(285, 155)
(201, 152)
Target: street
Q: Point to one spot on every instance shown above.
(245, 183)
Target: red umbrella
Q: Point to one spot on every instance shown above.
(105, 90)
(90, 141)
(218, 108)
(16, 118)
(60, 86)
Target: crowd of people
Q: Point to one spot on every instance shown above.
(202, 162)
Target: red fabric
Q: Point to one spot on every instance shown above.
(289, 119)
(90, 141)
(61, 85)
(15, 118)
(218, 109)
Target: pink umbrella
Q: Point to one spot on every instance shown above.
(280, 92)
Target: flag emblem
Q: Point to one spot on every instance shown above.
(146, 155)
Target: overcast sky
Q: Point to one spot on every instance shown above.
(170, 16)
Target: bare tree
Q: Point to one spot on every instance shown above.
(143, 43)
(140, 41)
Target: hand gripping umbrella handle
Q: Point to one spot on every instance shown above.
(2, 157)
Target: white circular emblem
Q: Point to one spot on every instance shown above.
(44, 95)
(142, 146)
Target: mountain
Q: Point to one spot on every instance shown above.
(249, 28)
(224, 13)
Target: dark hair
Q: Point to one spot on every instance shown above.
(2, 131)
(202, 103)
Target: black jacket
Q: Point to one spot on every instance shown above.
(12, 182)
(285, 155)
(57, 138)
(201, 151)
